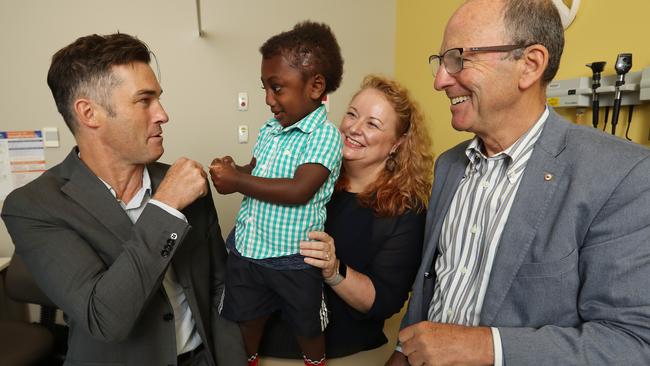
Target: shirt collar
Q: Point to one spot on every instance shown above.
(140, 197)
(474, 150)
(306, 125)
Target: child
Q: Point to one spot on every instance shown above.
(290, 178)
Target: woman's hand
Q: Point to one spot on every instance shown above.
(356, 290)
(320, 252)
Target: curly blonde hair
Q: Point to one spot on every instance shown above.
(408, 186)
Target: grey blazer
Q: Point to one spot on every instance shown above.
(569, 281)
(105, 272)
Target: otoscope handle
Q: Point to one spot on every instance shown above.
(594, 112)
(617, 108)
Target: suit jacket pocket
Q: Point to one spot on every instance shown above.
(543, 293)
(549, 269)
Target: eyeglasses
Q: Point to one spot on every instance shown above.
(452, 59)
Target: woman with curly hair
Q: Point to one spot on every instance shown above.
(371, 248)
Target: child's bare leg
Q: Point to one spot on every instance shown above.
(252, 331)
(313, 349)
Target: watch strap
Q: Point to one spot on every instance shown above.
(339, 276)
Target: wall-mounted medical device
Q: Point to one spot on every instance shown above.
(596, 69)
(597, 91)
(578, 92)
(644, 92)
(622, 67)
(569, 93)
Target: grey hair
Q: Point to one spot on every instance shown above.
(536, 22)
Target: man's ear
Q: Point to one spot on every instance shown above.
(86, 112)
(317, 87)
(534, 62)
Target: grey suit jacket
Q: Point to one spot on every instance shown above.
(569, 281)
(105, 272)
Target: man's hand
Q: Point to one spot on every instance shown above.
(446, 344)
(182, 185)
(397, 359)
(224, 175)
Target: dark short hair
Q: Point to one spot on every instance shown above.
(310, 48)
(536, 21)
(83, 69)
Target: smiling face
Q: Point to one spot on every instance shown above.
(482, 92)
(290, 97)
(132, 127)
(369, 130)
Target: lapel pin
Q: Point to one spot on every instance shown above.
(548, 177)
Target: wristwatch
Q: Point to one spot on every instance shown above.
(336, 278)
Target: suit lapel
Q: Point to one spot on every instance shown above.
(449, 186)
(450, 180)
(537, 187)
(90, 193)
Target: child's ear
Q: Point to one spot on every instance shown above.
(317, 87)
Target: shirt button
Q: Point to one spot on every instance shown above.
(450, 312)
(463, 270)
(173, 236)
(474, 229)
(168, 317)
(164, 253)
(486, 184)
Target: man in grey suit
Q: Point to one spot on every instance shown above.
(538, 233)
(129, 249)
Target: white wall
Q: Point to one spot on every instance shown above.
(200, 76)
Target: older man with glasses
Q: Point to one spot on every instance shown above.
(538, 232)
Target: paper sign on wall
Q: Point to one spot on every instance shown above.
(22, 159)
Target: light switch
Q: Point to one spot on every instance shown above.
(51, 136)
(242, 101)
(242, 134)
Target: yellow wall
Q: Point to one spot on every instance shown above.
(593, 36)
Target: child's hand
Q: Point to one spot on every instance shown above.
(224, 160)
(224, 174)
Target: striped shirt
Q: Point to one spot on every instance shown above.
(472, 228)
(268, 230)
